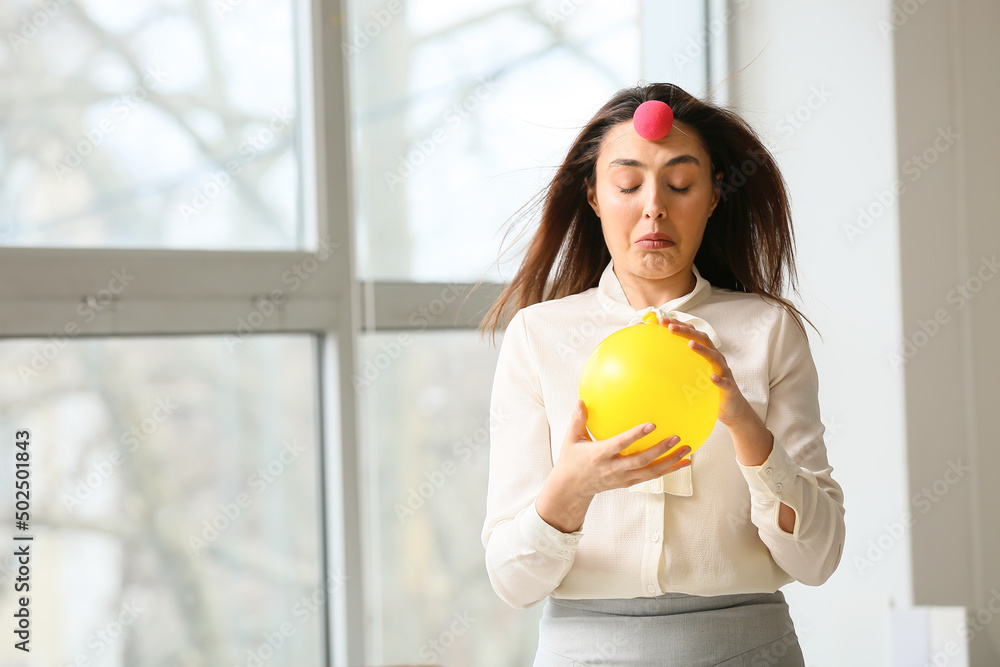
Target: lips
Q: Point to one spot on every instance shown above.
(653, 244)
(656, 236)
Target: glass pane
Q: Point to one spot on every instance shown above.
(163, 123)
(426, 441)
(175, 503)
(461, 112)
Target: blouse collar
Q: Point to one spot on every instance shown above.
(613, 299)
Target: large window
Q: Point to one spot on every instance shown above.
(176, 508)
(174, 311)
(264, 218)
(159, 124)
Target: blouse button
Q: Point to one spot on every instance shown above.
(651, 588)
(767, 471)
(655, 537)
(565, 552)
(777, 487)
(571, 540)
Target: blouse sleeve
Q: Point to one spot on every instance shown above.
(796, 472)
(526, 558)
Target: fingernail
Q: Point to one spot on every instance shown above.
(648, 428)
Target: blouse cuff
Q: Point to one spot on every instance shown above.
(773, 481)
(547, 539)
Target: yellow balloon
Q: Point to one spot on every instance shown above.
(647, 373)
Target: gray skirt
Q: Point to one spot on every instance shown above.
(741, 630)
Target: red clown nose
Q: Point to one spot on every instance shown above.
(653, 120)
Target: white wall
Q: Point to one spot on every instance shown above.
(912, 438)
(818, 85)
(947, 74)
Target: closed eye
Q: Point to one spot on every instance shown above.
(630, 190)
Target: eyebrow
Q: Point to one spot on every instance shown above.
(629, 162)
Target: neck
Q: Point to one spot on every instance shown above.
(643, 292)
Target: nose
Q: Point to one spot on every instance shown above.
(654, 206)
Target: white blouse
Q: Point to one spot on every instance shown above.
(710, 528)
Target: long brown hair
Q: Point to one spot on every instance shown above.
(748, 244)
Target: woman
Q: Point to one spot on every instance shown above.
(645, 560)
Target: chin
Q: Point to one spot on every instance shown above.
(657, 257)
(656, 266)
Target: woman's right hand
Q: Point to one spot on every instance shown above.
(585, 468)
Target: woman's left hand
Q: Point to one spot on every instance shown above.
(734, 406)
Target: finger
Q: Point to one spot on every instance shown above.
(704, 348)
(694, 337)
(647, 456)
(683, 463)
(659, 468)
(680, 324)
(619, 442)
(714, 357)
(672, 458)
(578, 423)
(723, 380)
(689, 332)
